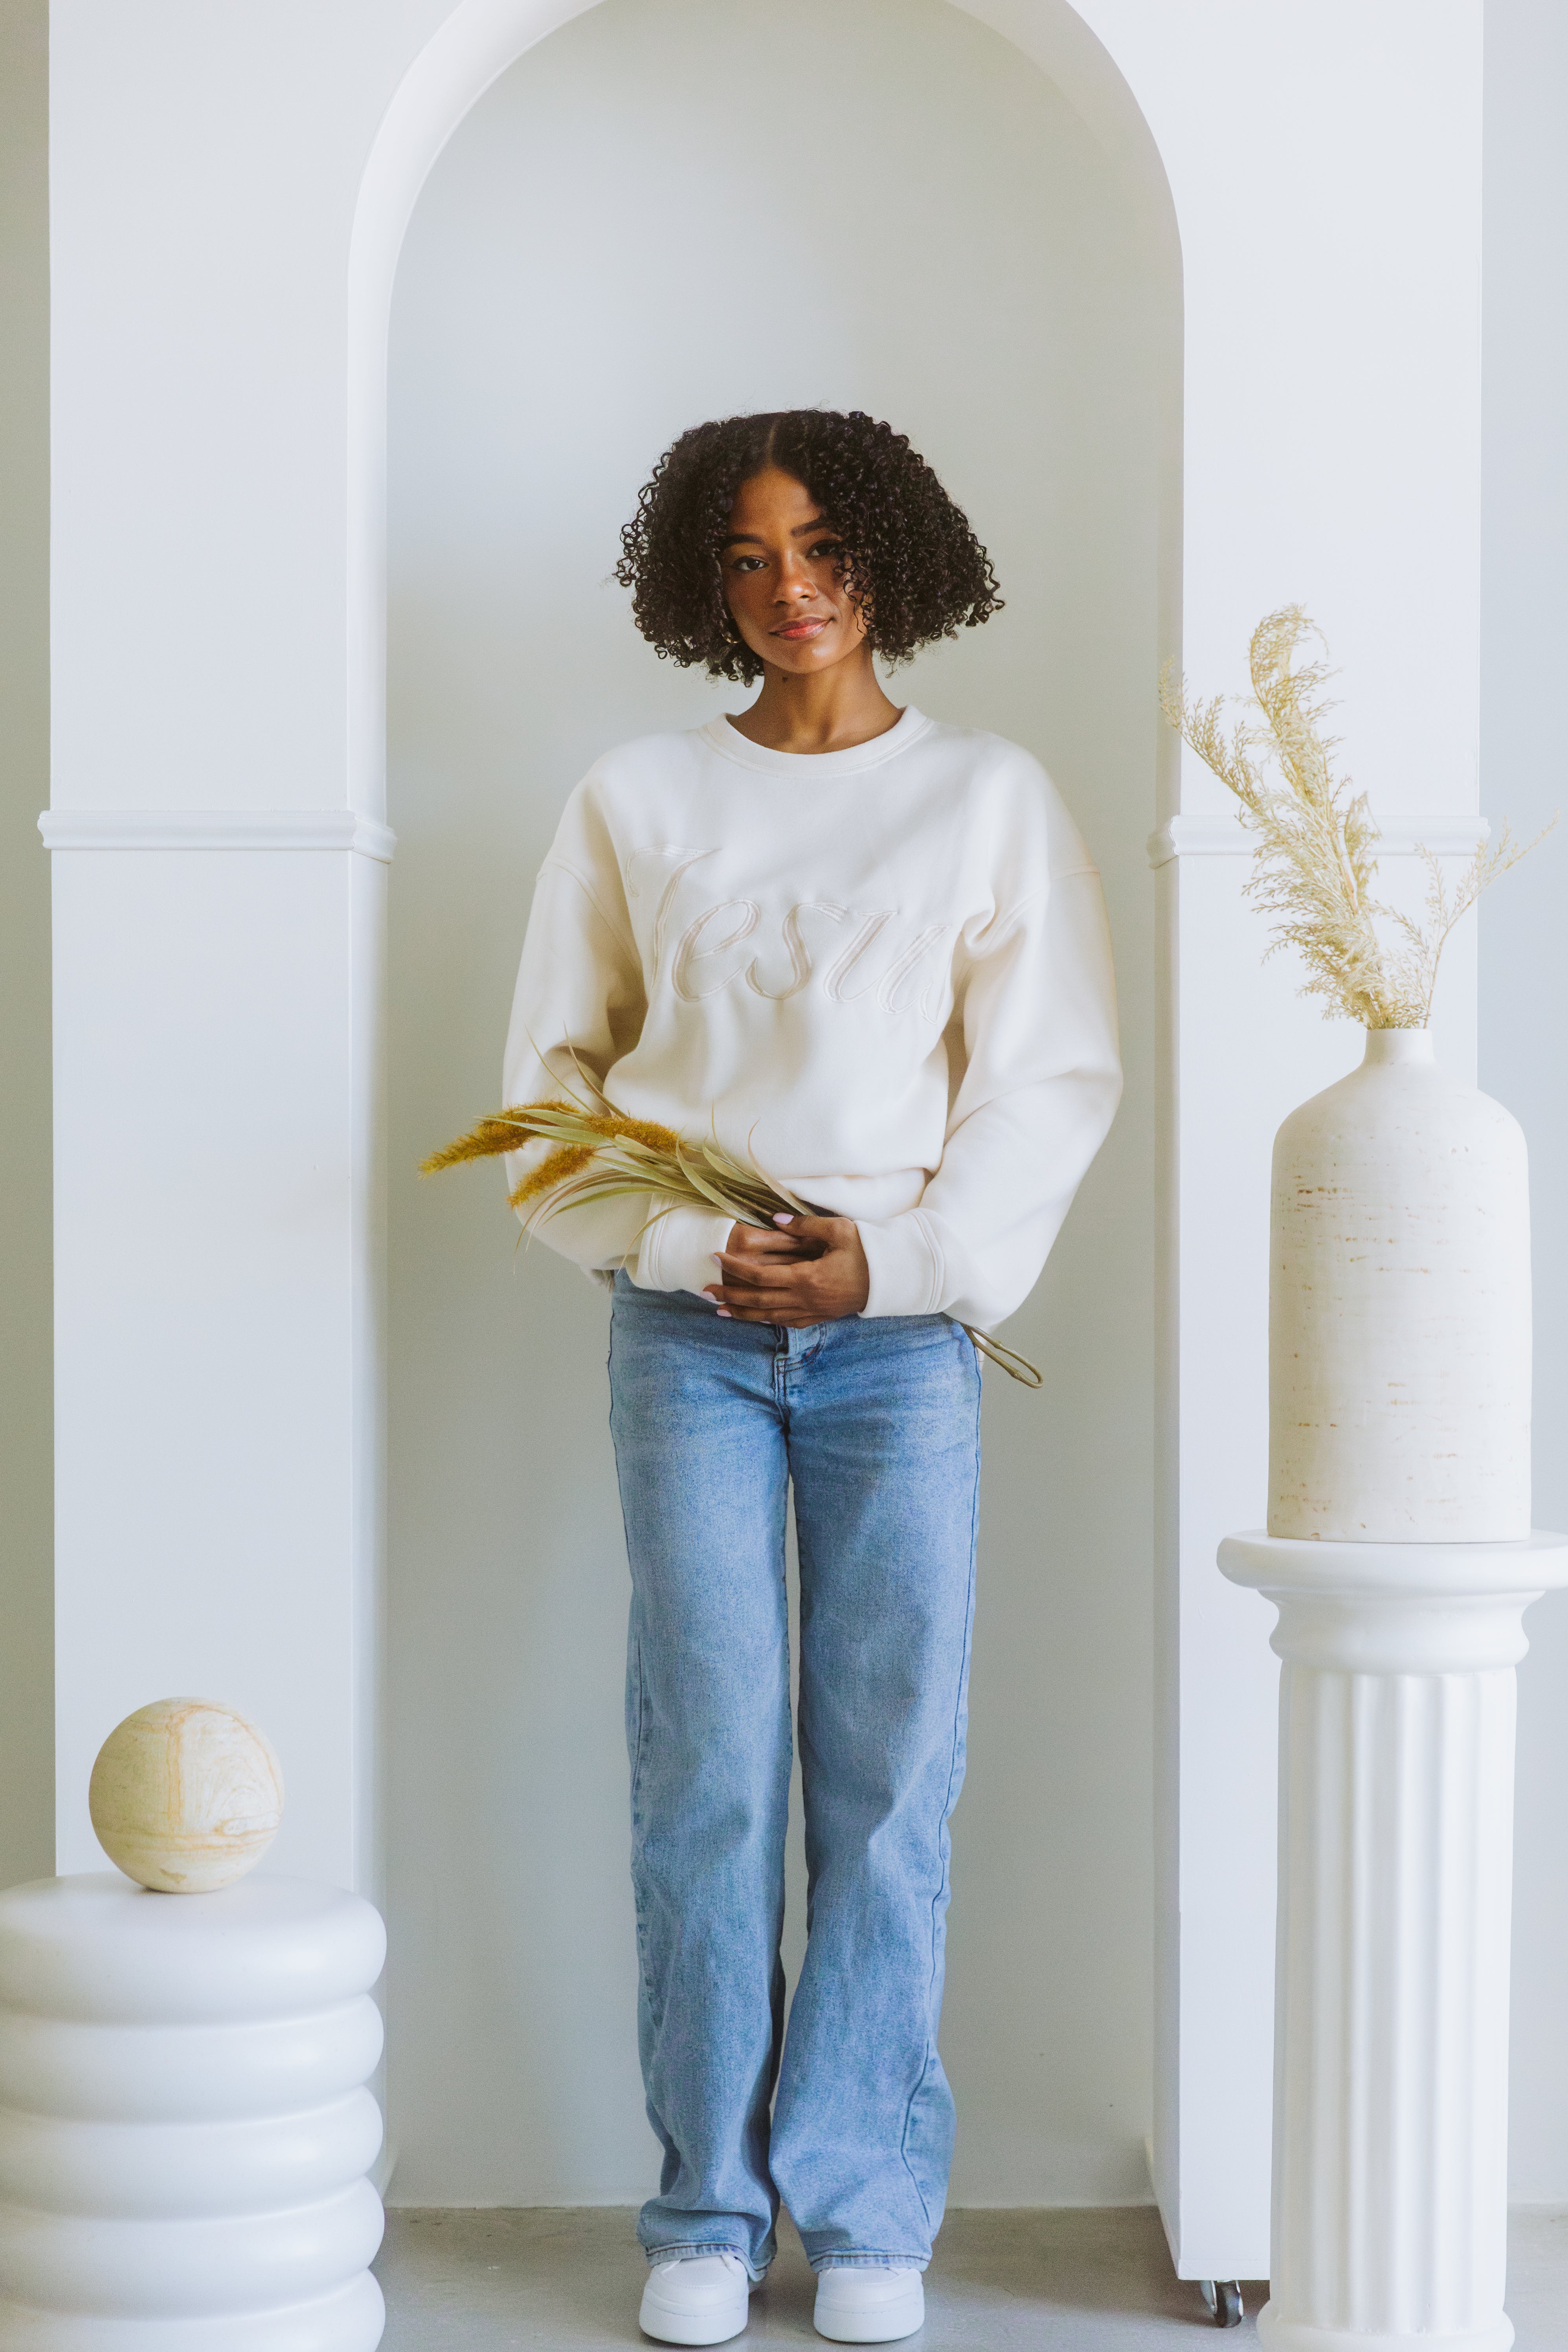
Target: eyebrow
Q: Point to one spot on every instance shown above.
(755, 539)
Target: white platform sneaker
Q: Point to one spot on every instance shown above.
(700, 2299)
(869, 2302)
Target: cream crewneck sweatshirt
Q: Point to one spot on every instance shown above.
(884, 973)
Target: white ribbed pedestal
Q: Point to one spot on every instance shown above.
(1396, 1741)
(185, 2130)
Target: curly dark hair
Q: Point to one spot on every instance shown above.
(912, 563)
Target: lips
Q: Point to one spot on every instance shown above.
(799, 629)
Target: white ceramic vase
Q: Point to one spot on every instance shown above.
(1399, 1310)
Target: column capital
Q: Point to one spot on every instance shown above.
(1398, 1608)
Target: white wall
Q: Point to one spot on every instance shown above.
(26, 1728)
(1524, 941)
(656, 216)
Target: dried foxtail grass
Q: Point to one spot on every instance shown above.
(604, 1156)
(1316, 860)
(601, 1155)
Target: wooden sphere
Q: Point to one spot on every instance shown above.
(185, 1796)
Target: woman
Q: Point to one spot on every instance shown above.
(870, 951)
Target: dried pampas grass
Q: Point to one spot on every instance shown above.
(601, 1155)
(1316, 858)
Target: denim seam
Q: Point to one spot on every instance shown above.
(637, 1739)
(947, 1806)
(910, 2111)
(691, 2249)
(637, 1758)
(868, 2258)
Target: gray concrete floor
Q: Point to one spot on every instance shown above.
(460, 2280)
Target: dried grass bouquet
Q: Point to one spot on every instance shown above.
(1316, 857)
(602, 1155)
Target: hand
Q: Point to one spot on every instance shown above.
(809, 1270)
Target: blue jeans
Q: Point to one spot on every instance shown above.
(877, 1425)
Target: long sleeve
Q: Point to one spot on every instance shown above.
(578, 1009)
(1036, 1079)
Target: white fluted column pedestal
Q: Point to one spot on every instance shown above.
(185, 2130)
(1396, 1746)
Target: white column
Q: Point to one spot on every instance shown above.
(218, 1184)
(185, 2130)
(1396, 1742)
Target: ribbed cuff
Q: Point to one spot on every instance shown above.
(676, 1252)
(905, 1269)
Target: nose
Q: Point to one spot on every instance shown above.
(795, 583)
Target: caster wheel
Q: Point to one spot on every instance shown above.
(1226, 2303)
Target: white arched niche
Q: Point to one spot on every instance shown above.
(650, 217)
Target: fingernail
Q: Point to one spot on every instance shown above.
(726, 1314)
(780, 1219)
(718, 1260)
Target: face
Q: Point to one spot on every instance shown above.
(788, 602)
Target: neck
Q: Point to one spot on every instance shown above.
(831, 712)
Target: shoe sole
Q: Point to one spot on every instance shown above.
(899, 2317)
(667, 2326)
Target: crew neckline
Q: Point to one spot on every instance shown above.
(732, 745)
